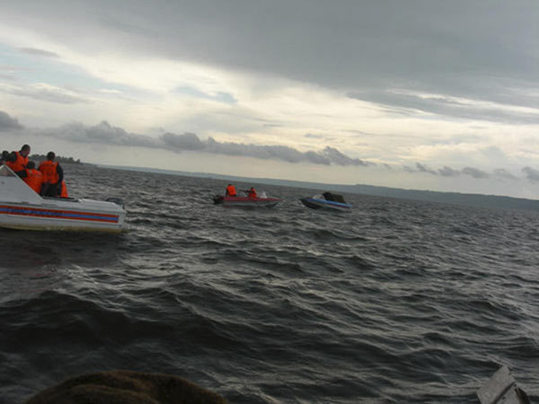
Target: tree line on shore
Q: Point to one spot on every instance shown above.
(60, 159)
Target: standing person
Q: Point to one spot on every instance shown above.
(53, 174)
(19, 160)
(230, 190)
(34, 178)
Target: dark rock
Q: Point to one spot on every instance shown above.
(126, 387)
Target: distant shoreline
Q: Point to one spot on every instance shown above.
(455, 198)
(60, 159)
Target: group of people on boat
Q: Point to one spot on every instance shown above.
(231, 191)
(46, 180)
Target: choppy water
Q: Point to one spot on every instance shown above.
(398, 301)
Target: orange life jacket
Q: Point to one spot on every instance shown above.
(252, 193)
(63, 192)
(34, 179)
(231, 190)
(50, 174)
(19, 164)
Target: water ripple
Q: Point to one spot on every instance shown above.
(397, 301)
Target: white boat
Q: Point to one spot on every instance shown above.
(327, 200)
(22, 208)
(246, 202)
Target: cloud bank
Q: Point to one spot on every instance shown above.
(531, 174)
(104, 133)
(476, 173)
(8, 123)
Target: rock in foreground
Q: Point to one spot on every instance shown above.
(123, 386)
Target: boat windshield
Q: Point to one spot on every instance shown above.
(6, 172)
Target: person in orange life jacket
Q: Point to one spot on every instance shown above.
(230, 190)
(53, 175)
(63, 192)
(34, 178)
(18, 160)
(251, 193)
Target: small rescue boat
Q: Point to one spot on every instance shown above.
(327, 200)
(22, 208)
(245, 201)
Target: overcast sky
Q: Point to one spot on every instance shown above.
(424, 94)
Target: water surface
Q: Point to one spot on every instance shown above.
(396, 301)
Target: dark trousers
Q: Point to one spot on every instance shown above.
(50, 189)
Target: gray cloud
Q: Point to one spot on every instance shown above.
(104, 133)
(444, 106)
(424, 169)
(409, 169)
(329, 155)
(474, 172)
(187, 141)
(451, 172)
(313, 136)
(476, 50)
(39, 52)
(8, 123)
(504, 174)
(335, 156)
(531, 174)
(7, 77)
(51, 94)
(448, 172)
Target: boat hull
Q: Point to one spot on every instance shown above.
(245, 202)
(22, 208)
(76, 215)
(315, 203)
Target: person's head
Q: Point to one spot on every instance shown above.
(229, 185)
(51, 156)
(31, 165)
(25, 150)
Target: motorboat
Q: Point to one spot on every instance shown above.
(246, 202)
(22, 208)
(327, 200)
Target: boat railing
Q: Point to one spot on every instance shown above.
(59, 198)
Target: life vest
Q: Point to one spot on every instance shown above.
(231, 190)
(252, 193)
(50, 174)
(34, 179)
(63, 192)
(19, 164)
